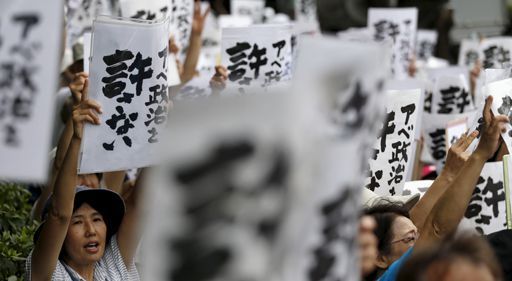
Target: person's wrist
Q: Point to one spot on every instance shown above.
(479, 156)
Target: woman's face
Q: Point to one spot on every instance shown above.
(404, 235)
(86, 236)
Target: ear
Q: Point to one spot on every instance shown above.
(382, 262)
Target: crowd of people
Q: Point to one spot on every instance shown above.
(90, 223)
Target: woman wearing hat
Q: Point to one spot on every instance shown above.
(86, 234)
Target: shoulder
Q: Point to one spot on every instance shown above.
(392, 272)
(59, 273)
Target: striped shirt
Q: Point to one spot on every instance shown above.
(110, 267)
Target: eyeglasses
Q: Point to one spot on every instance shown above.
(411, 237)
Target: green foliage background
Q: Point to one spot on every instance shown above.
(16, 230)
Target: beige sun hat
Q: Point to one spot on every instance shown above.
(370, 199)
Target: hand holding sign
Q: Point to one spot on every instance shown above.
(493, 126)
(457, 154)
(77, 87)
(84, 112)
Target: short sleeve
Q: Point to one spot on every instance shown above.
(114, 263)
(392, 272)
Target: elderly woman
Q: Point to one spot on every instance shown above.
(86, 234)
(441, 209)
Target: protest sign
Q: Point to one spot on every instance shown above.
(251, 8)
(393, 156)
(495, 52)
(416, 187)
(486, 211)
(501, 91)
(180, 17)
(426, 41)
(145, 10)
(249, 163)
(256, 56)
(400, 26)
(451, 95)
(468, 53)
(454, 130)
(80, 15)
(306, 19)
(437, 138)
(30, 35)
(129, 79)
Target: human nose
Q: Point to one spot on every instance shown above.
(90, 230)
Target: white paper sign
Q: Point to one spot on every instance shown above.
(454, 131)
(501, 91)
(487, 209)
(251, 8)
(257, 56)
(80, 15)
(129, 79)
(181, 15)
(393, 156)
(226, 21)
(249, 164)
(400, 26)
(435, 136)
(197, 87)
(87, 50)
(343, 94)
(451, 95)
(417, 187)
(145, 10)
(426, 41)
(468, 53)
(306, 17)
(29, 58)
(495, 52)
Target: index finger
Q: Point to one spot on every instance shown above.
(487, 111)
(468, 140)
(85, 92)
(207, 11)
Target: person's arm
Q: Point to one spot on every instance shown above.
(76, 88)
(129, 233)
(451, 206)
(47, 248)
(454, 162)
(114, 180)
(194, 48)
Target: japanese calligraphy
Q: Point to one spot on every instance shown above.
(256, 61)
(29, 58)
(392, 158)
(145, 10)
(80, 15)
(399, 26)
(426, 41)
(181, 13)
(486, 210)
(502, 104)
(495, 52)
(451, 95)
(132, 86)
(469, 53)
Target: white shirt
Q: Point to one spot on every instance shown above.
(110, 267)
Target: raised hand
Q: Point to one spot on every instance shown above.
(198, 18)
(77, 86)
(493, 126)
(85, 111)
